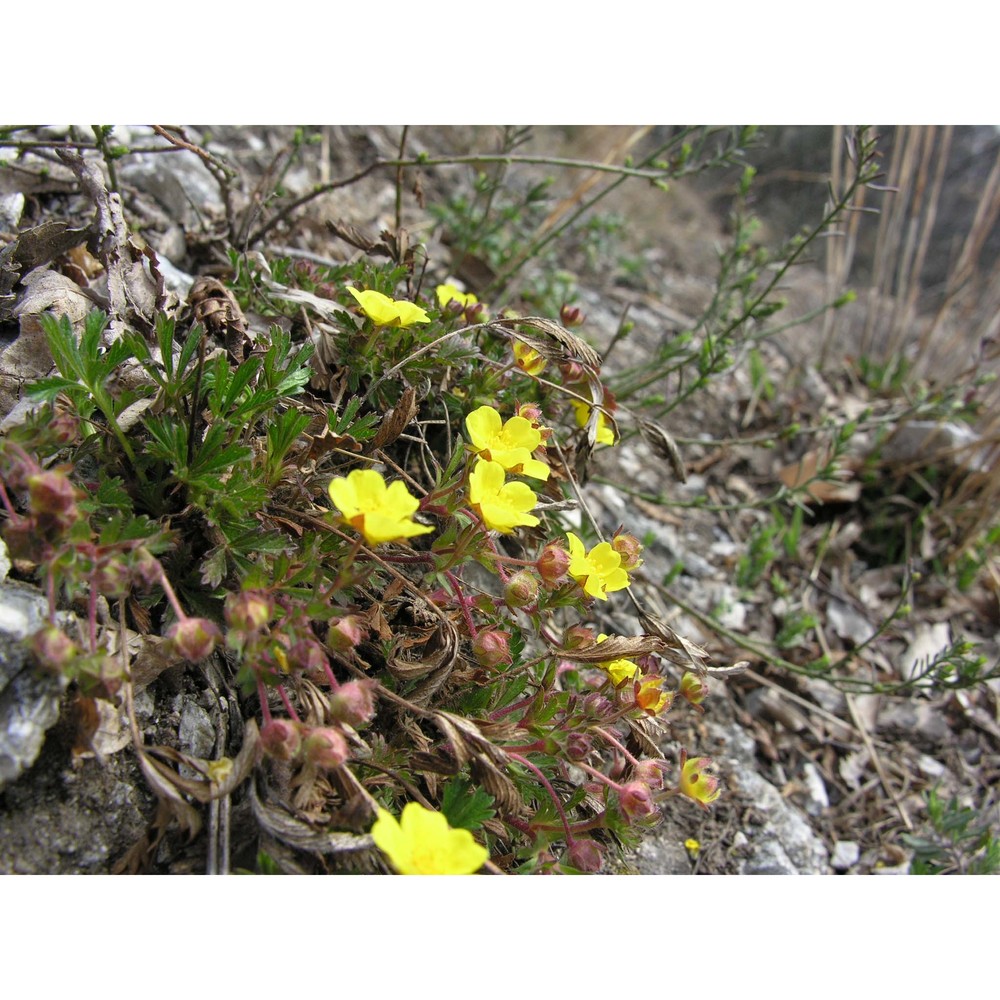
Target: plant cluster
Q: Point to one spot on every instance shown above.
(389, 574)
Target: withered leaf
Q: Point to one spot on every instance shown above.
(557, 344)
(801, 474)
(663, 446)
(617, 647)
(284, 827)
(395, 421)
(356, 238)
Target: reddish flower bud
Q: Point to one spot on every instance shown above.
(491, 647)
(325, 748)
(354, 702)
(578, 637)
(650, 772)
(146, 569)
(636, 800)
(578, 746)
(553, 564)
(308, 656)
(194, 638)
(64, 427)
(281, 739)
(249, 610)
(53, 501)
(346, 633)
(584, 856)
(521, 590)
(571, 315)
(572, 371)
(112, 577)
(52, 648)
(475, 312)
(23, 539)
(628, 547)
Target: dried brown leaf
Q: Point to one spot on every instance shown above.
(619, 647)
(803, 472)
(663, 446)
(557, 344)
(395, 421)
(282, 826)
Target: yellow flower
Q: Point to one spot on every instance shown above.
(510, 443)
(650, 698)
(695, 782)
(528, 359)
(692, 846)
(380, 513)
(449, 293)
(605, 435)
(598, 571)
(422, 843)
(383, 311)
(502, 506)
(618, 670)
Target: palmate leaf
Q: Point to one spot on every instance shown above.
(464, 806)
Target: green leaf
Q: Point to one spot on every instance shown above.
(464, 806)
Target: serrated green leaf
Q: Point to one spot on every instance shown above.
(464, 806)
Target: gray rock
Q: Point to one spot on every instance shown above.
(816, 798)
(846, 854)
(29, 698)
(785, 843)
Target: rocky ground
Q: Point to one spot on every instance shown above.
(816, 780)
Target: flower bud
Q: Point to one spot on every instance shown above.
(628, 547)
(281, 739)
(521, 590)
(693, 688)
(194, 638)
(571, 315)
(53, 649)
(572, 371)
(636, 800)
(585, 856)
(346, 633)
(578, 746)
(146, 569)
(309, 656)
(249, 610)
(64, 427)
(649, 772)
(553, 564)
(475, 312)
(53, 501)
(325, 748)
(354, 702)
(112, 577)
(528, 359)
(491, 648)
(578, 637)
(23, 539)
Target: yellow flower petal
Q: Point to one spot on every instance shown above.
(502, 506)
(510, 443)
(597, 572)
(383, 311)
(422, 843)
(450, 293)
(380, 513)
(582, 412)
